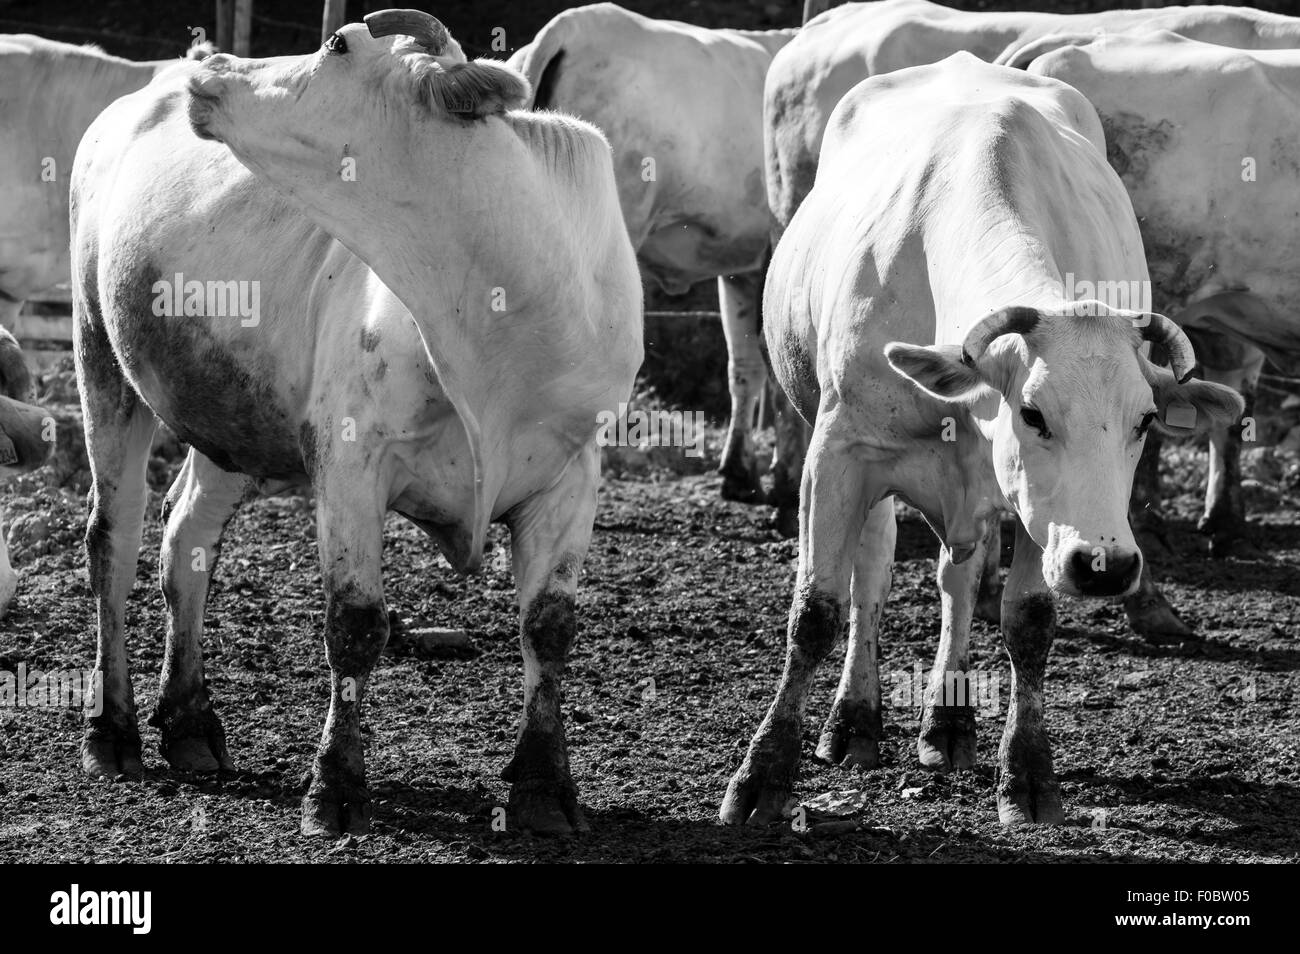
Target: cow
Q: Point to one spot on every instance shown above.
(52, 92)
(26, 440)
(845, 45)
(916, 316)
(682, 107)
(1193, 132)
(447, 305)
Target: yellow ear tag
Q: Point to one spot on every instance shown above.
(1181, 415)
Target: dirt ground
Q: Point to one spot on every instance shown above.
(1182, 753)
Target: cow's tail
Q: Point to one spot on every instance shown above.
(15, 379)
(540, 61)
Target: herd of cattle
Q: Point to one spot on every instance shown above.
(962, 232)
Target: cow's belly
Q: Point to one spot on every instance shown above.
(214, 382)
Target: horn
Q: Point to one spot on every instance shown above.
(426, 29)
(1182, 358)
(1016, 320)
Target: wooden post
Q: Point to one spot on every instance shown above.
(336, 15)
(812, 8)
(243, 27)
(225, 25)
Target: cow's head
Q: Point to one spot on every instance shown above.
(318, 124)
(1076, 399)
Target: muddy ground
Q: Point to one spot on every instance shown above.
(1184, 753)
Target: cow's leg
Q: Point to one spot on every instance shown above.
(1224, 519)
(1145, 501)
(119, 429)
(549, 537)
(198, 507)
(792, 434)
(746, 375)
(852, 733)
(832, 511)
(947, 739)
(988, 599)
(1027, 787)
(349, 522)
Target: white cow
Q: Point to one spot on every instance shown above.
(1197, 134)
(52, 92)
(916, 315)
(468, 393)
(682, 107)
(851, 42)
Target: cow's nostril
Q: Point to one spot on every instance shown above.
(1081, 564)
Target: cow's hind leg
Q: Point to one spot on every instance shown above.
(119, 429)
(1224, 519)
(947, 739)
(746, 375)
(198, 507)
(1028, 790)
(349, 522)
(852, 733)
(832, 511)
(549, 537)
(788, 461)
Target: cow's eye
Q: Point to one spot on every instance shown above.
(1147, 418)
(336, 44)
(1033, 417)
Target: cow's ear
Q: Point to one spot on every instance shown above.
(938, 370)
(477, 89)
(1186, 409)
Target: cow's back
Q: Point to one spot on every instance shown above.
(51, 93)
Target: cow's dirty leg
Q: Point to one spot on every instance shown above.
(988, 599)
(746, 376)
(1150, 614)
(119, 430)
(947, 739)
(199, 505)
(1027, 787)
(1224, 519)
(832, 512)
(549, 539)
(350, 541)
(852, 733)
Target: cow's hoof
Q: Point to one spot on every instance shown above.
(8, 590)
(758, 796)
(192, 741)
(1040, 806)
(740, 485)
(786, 521)
(545, 810)
(1233, 544)
(850, 737)
(947, 748)
(1152, 618)
(111, 753)
(326, 814)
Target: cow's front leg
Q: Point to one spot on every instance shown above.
(947, 739)
(852, 733)
(198, 507)
(549, 537)
(988, 599)
(746, 375)
(349, 522)
(1027, 787)
(832, 512)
